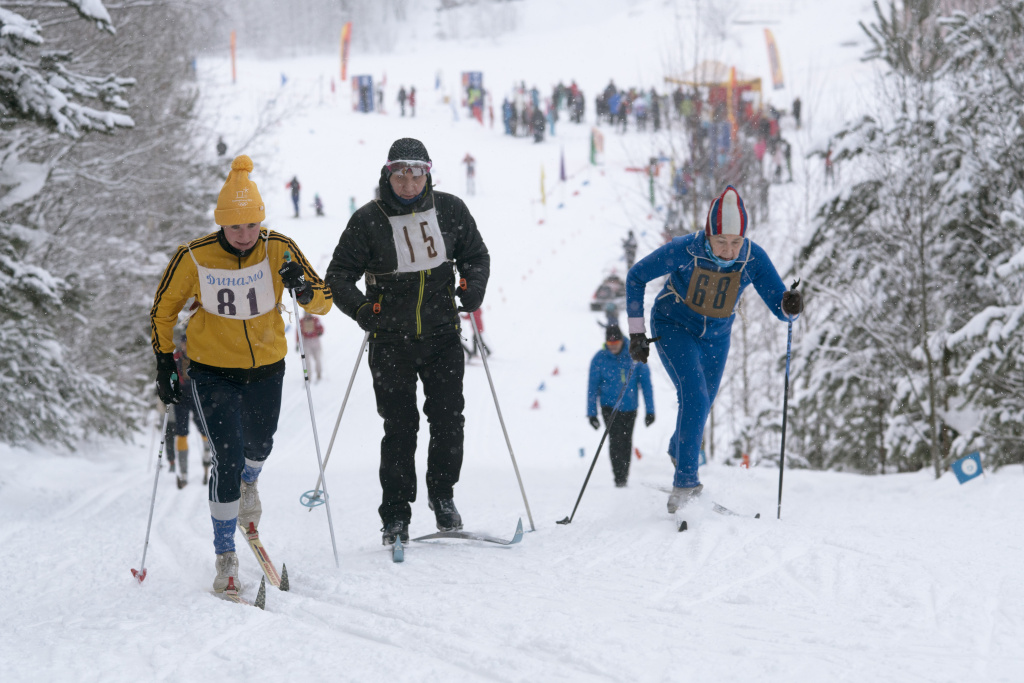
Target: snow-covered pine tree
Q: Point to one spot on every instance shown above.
(987, 155)
(884, 269)
(115, 207)
(44, 396)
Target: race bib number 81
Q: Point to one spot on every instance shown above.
(237, 294)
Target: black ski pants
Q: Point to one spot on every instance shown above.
(438, 363)
(620, 441)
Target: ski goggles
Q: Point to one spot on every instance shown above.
(414, 168)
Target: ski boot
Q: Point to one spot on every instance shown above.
(448, 518)
(227, 571)
(249, 507)
(396, 529)
(681, 496)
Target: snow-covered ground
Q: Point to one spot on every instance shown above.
(890, 578)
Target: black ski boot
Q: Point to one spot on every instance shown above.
(448, 518)
(396, 529)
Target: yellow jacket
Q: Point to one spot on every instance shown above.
(221, 342)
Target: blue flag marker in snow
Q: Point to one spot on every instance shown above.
(561, 348)
(541, 387)
(582, 454)
(968, 467)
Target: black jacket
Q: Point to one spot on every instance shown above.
(413, 305)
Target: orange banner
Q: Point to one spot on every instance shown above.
(346, 38)
(773, 60)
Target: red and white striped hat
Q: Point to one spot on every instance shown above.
(727, 215)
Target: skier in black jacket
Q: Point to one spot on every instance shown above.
(408, 245)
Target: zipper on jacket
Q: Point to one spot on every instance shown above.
(380, 300)
(419, 302)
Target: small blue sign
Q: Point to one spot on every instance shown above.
(968, 467)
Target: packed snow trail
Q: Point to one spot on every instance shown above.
(890, 578)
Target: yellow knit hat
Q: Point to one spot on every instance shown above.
(239, 201)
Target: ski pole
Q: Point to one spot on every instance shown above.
(501, 420)
(311, 499)
(608, 428)
(785, 405)
(140, 574)
(312, 418)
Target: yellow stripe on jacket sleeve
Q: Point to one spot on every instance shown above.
(176, 286)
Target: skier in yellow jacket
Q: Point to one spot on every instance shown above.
(233, 280)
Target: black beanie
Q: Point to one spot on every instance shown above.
(612, 333)
(408, 149)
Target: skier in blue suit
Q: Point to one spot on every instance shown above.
(609, 372)
(692, 316)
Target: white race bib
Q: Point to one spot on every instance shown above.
(237, 294)
(418, 241)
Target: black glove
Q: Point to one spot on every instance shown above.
(293, 277)
(792, 303)
(640, 347)
(471, 298)
(167, 385)
(368, 316)
(649, 420)
(594, 422)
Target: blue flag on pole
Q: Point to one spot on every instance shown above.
(968, 467)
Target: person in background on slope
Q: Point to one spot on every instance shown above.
(222, 147)
(294, 186)
(470, 163)
(412, 101)
(401, 98)
(318, 204)
(185, 409)
(312, 329)
(478, 346)
(236, 345)
(629, 247)
(408, 245)
(609, 372)
(692, 318)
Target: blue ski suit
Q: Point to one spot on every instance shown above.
(608, 373)
(693, 316)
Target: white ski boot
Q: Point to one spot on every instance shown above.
(249, 507)
(227, 572)
(681, 496)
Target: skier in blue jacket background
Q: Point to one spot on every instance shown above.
(609, 373)
(692, 317)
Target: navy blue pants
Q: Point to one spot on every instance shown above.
(240, 420)
(695, 366)
(437, 362)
